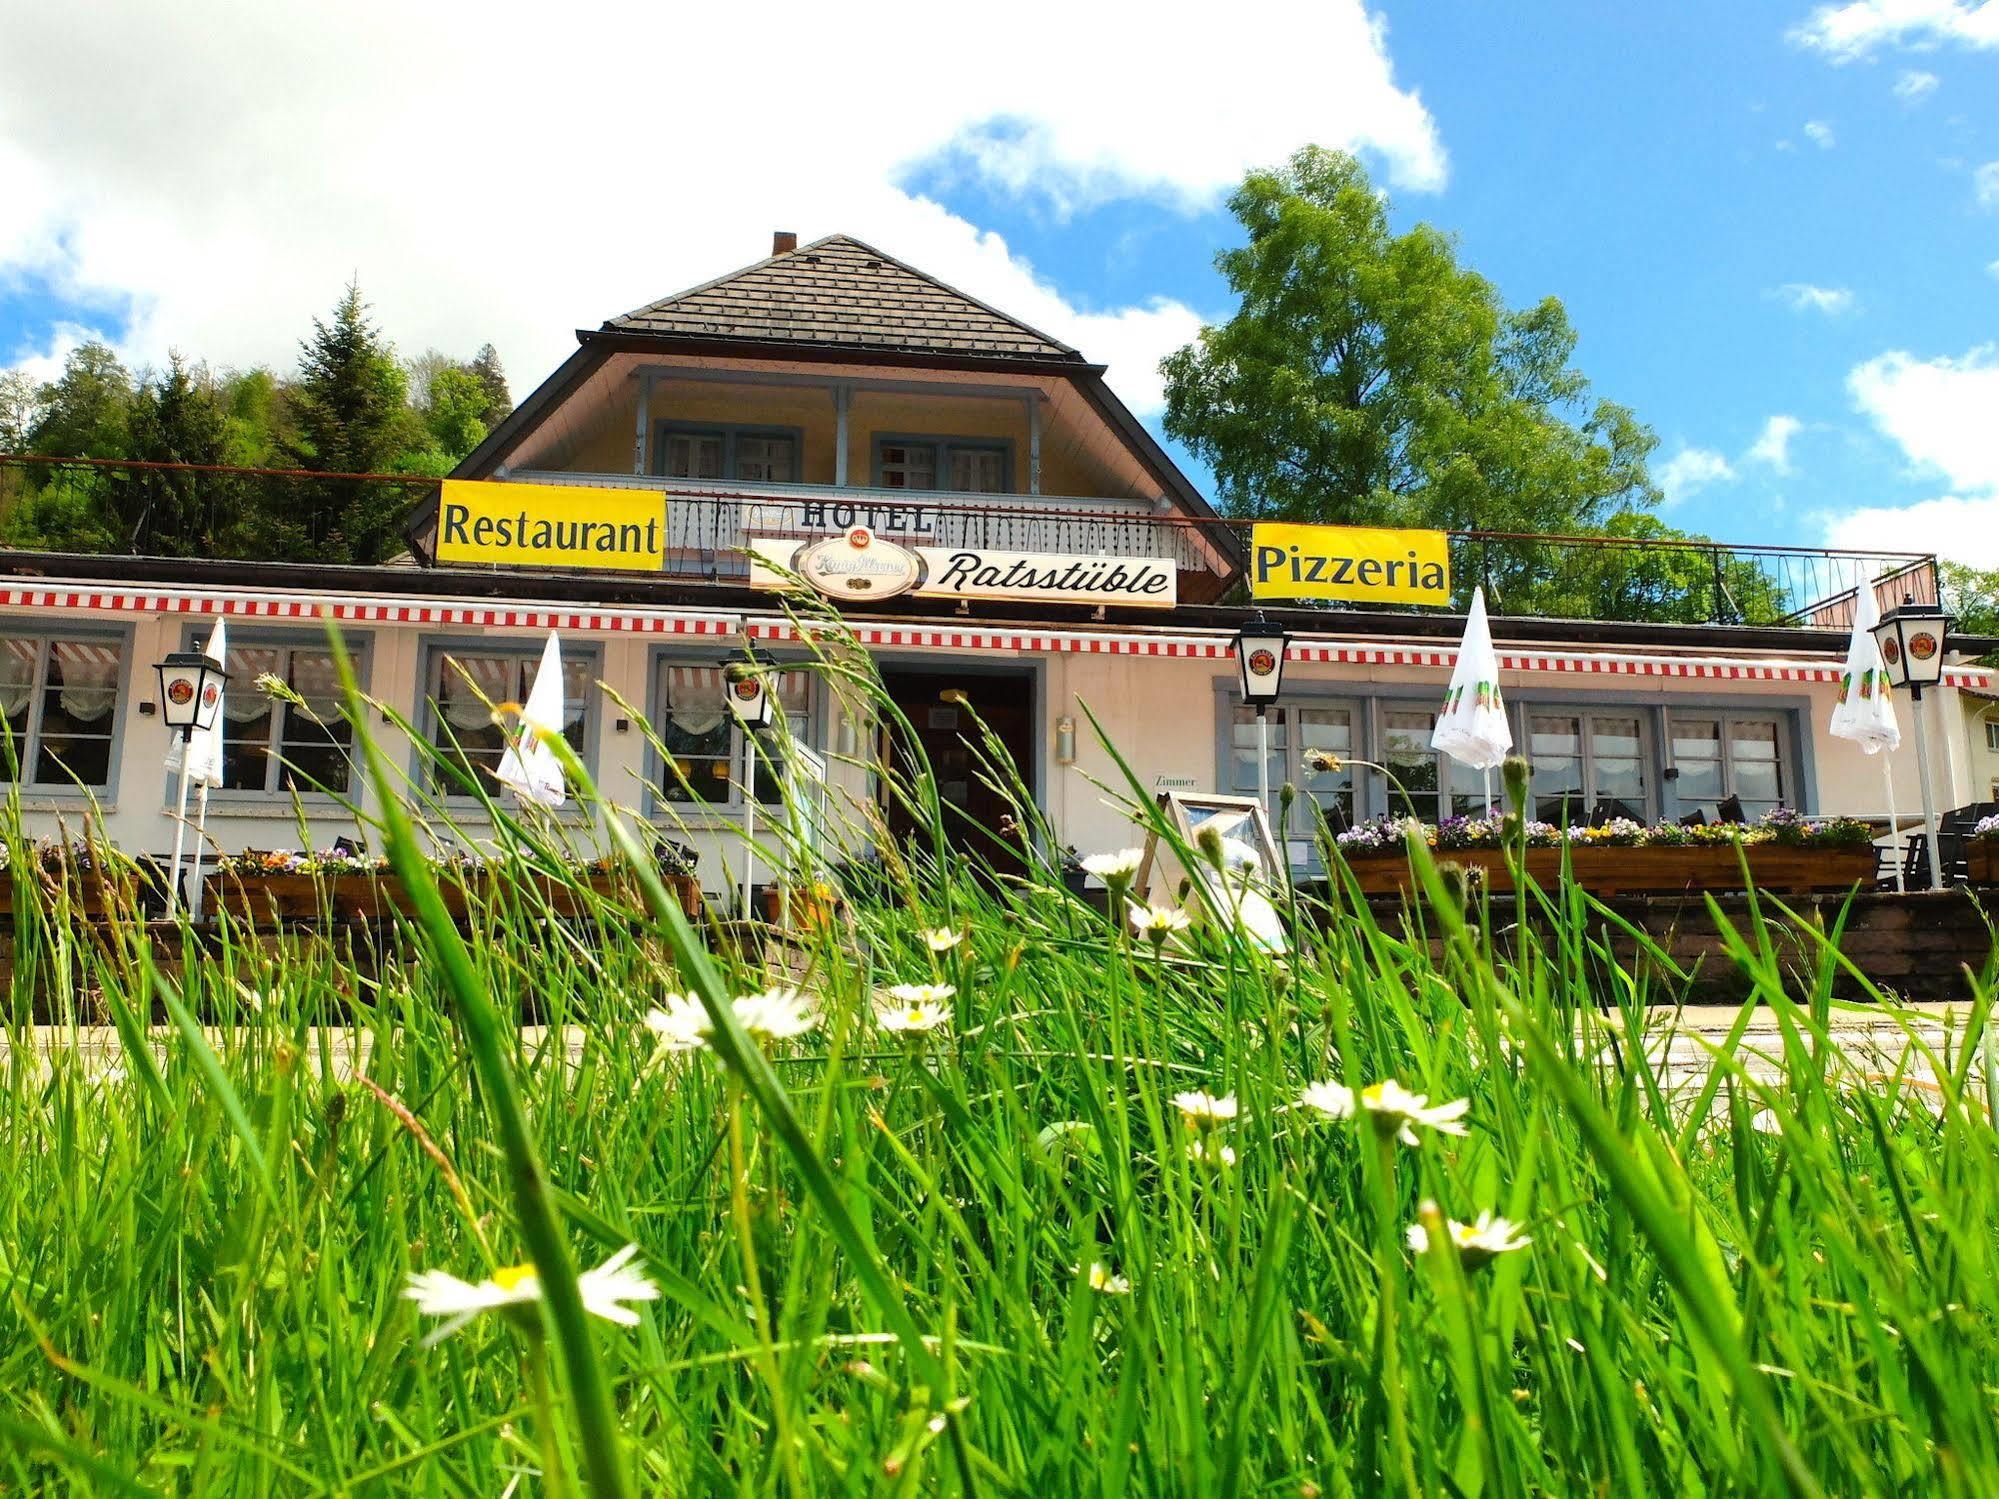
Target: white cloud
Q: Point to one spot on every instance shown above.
(1691, 470)
(1912, 85)
(1859, 28)
(1804, 297)
(1939, 413)
(1773, 444)
(1992, 267)
(1985, 184)
(1958, 528)
(514, 180)
(1819, 133)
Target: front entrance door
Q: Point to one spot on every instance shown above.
(973, 809)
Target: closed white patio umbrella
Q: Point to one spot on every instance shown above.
(1472, 728)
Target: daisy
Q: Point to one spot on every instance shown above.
(1396, 1111)
(1203, 1111)
(1203, 1151)
(605, 1290)
(682, 1025)
(1115, 869)
(917, 1008)
(1323, 762)
(1478, 1243)
(1104, 1283)
(941, 939)
(776, 1014)
(1334, 1100)
(1157, 923)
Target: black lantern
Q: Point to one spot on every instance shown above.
(748, 698)
(1912, 639)
(1259, 654)
(190, 690)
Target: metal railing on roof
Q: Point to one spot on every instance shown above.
(187, 510)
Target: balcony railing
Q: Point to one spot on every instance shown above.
(194, 511)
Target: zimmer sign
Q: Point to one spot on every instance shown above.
(861, 565)
(1360, 563)
(551, 525)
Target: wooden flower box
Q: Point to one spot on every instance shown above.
(370, 899)
(1669, 870)
(1981, 859)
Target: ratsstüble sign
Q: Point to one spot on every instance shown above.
(1349, 562)
(864, 565)
(551, 525)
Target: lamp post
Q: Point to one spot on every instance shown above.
(1912, 638)
(190, 695)
(755, 710)
(1259, 653)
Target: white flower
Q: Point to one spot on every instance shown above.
(773, 1015)
(1157, 923)
(943, 938)
(1396, 1111)
(1104, 1283)
(776, 1014)
(682, 1025)
(917, 1008)
(1478, 1243)
(1334, 1100)
(1115, 868)
(605, 1291)
(1205, 1110)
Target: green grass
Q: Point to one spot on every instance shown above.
(874, 1255)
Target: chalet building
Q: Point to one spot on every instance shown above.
(994, 525)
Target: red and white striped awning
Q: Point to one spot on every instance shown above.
(1191, 645)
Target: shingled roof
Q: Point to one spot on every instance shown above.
(839, 292)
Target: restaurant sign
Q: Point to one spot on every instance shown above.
(860, 564)
(551, 525)
(1360, 563)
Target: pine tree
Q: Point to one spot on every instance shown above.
(493, 380)
(176, 419)
(349, 403)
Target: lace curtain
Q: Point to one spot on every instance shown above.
(695, 696)
(88, 673)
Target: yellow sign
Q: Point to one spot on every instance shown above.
(551, 525)
(1349, 562)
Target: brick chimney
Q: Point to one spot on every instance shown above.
(783, 242)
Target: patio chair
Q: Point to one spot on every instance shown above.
(1730, 810)
(1694, 819)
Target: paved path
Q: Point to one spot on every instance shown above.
(1875, 1043)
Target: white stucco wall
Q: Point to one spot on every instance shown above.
(1162, 713)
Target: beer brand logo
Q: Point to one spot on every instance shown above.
(209, 694)
(1891, 651)
(859, 564)
(180, 692)
(1262, 662)
(1922, 645)
(745, 690)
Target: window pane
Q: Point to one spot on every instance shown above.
(79, 703)
(692, 455)
(1755, 773)
(67, 757)
(766, 460)
(19, 662)
(1242, 752)
(1555, 751)
(1696, 738)
(1407, 754)
(246, 718)
(1328, 729)
(1619, 766)
(977, 470)
(702, 759)
(908, 465)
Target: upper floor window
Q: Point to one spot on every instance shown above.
(60, 695)
(271, 745)
(958, 464)
(461, 681)
(749, 455)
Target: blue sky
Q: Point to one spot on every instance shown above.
(1734, 223)
(1776, 226)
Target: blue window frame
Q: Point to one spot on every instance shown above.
(461, 676)
(62, 692)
